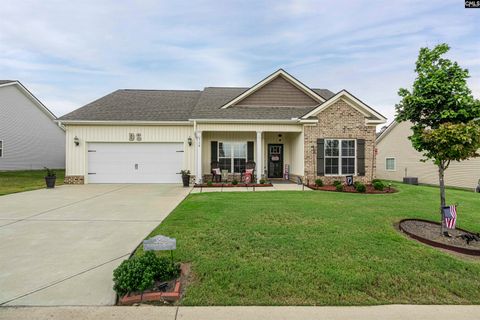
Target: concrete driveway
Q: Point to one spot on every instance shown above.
(60, 246)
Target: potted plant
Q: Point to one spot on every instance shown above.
(185, 177)
(50, 178)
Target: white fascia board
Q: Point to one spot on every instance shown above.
(352, 101)
(268, 79)
(244, 120)
(124, 122)
(31, 97)
(386, 131)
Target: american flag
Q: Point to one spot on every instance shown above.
(450, 217)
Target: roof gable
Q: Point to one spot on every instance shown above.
(278, 89)
(29, 95)
(372, 116)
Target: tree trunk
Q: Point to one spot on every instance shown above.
(441, 177)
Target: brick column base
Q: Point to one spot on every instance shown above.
(74, 180)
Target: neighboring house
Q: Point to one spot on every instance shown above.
(397, 158)
(135, 136)
(29, 136)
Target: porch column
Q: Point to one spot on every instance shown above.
(258, 159)
(198, 157)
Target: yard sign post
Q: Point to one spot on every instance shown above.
(160, 243)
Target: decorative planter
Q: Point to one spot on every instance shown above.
(186, 180)
(50, 181)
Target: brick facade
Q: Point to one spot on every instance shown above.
(339, 121)
(74, 180)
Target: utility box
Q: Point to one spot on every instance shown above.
(411, 180)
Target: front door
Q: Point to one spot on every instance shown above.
(275, 160)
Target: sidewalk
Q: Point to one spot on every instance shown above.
(388, 312)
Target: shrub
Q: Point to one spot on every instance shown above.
(356, 183)
(337, 182)
(140, 273)
(360, 187)
(339, 187)
(378, 185)
(209, 183)
(262, 181)
(50, 172)
(375, 180)
(319, 183)
(234, 182)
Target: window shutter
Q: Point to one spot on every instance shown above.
(250, 152)
(361, 157)
(214, 151)
(321, 157)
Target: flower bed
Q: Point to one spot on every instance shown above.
(369, 189)
(429, 233)
(230, 185)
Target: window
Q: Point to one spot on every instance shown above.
(232, 156)
(390, 164)
(1, 148)
(339, 157)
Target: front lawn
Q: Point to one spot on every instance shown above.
(18, 181)
(319, 248)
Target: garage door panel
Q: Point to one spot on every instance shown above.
(135, 162)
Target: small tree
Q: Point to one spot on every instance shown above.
(443, 112)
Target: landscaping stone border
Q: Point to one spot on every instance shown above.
(471, 252)
(351, 189)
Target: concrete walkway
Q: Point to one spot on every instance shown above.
(388, 312)
(60, 246)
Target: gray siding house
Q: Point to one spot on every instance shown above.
(29, 137)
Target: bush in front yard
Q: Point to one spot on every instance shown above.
(319, 183)
(262, 181)
(360, 187)
(140, 273)
(339, 187)
(235, 182)
(337, 182)
(378, 185)
(376, 180)
(209, 183)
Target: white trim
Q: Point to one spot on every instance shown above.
(351, 100)
(291, 121)
(340, 173)
(123, 122)
(386, 131)
(312, 94)
(30, 96)
(394, 164)
(232, 155)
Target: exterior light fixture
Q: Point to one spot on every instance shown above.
(189, 140)
(76, 141)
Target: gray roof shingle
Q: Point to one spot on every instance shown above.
(178, 105)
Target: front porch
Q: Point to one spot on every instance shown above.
(275, 155)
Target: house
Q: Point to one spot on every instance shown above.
(148, 136)
(397, 159)
(29, 136)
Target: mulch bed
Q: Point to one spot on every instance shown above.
(351, 189)
(229, 185)
(429, 232)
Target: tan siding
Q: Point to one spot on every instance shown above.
(253, 127)
(397, 145)
(278, 92)
(76, 156)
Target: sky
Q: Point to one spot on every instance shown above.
(69, 53)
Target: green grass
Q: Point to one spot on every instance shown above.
(18, 181)
(319, 248)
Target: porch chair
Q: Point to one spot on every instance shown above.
(215, 170)
(249, 172)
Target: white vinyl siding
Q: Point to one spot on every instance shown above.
(31, 138)
(340, 156)
(390, 164)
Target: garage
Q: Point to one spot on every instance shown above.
(134, 162)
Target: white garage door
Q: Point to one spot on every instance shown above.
(134, 162)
